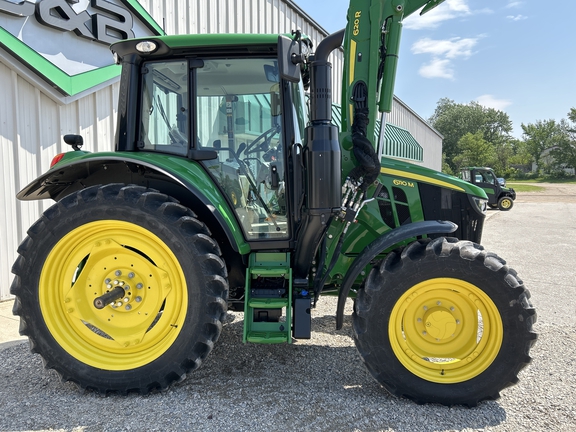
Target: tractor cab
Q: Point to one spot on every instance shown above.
(237, 114)
(499, 196)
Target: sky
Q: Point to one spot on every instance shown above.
(518, 56)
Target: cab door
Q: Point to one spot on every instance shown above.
(240, 116)
(487, 181)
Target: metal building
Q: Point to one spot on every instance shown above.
(39, 102)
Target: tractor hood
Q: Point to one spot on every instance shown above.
(410, 172)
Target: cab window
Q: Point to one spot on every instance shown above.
(165, 113)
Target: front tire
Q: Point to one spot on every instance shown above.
(444, 322)
(175, 289)
(505, 203)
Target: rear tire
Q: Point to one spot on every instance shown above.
(444, 322)
(94, 240)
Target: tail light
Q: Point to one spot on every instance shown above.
(56, 159)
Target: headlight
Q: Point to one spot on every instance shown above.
(146, 47)
(481, 204)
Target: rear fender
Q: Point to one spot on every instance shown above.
(180, 178)
(388, 240)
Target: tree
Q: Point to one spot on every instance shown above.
(564, 153)
(503, 154)
(520, 154)
(572, 117)
(544, 135)
(447, 169)
(454, 121)
(497, 126)
(474, 151)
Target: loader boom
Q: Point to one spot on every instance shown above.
(371, 48)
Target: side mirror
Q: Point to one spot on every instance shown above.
(76, 141)
(287, 50)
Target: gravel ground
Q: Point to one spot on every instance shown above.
(321, 384)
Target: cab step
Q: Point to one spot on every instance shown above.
(268, 299)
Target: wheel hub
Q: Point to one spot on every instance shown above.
(440, 324)
(129, 315)
(132, 284)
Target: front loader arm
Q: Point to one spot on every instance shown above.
(371, 47)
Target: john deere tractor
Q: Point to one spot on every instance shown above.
(230, 189)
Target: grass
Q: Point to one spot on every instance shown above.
(571, 180)
(518, 187)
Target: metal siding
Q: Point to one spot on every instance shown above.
(430, 140)
(9, 219)
(31, 130)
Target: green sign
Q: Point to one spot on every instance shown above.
(66, 42)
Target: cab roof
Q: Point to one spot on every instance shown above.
(201, 43)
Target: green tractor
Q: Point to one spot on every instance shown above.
(499, 196)
(229, 190)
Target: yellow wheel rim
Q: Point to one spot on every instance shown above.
(445, 330)
(135, 329)
(506, 203)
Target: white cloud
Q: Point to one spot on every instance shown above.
(514, 4)
(516, 17)
(448, 10)
(448, 48)
(458, 5)
(443, 52)
(490, 101)
(437, 68)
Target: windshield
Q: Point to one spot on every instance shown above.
(488, 177)
(240, 116)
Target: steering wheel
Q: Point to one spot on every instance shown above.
(265, 137)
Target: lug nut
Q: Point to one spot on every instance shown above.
(139, 286)
(128, 307)
(107, 280)
(115, 282)
(131, 275)
(117, 272)
(126, 299)
(138, 299)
